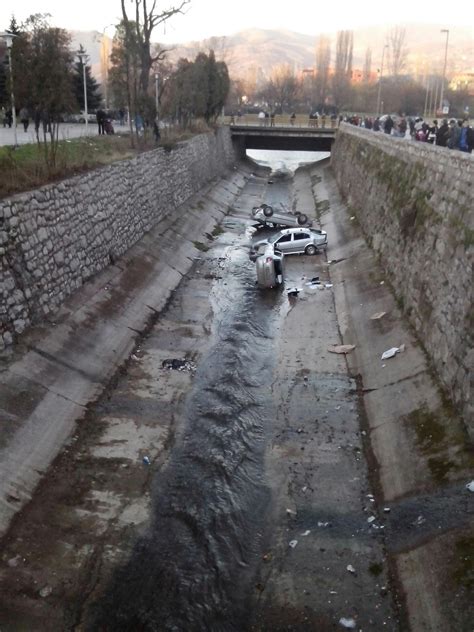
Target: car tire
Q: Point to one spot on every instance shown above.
(311, 250)
(267, 211)
(302, 219)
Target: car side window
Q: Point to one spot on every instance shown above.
(284, 238)
(301, 236)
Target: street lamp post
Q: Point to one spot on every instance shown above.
(444, 70)
(83, 57)
(380, 81)
(8, 39)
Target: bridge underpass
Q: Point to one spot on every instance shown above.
(282, 138)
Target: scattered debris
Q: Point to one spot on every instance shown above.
(178, 365)
(323, 524)
(349, 624)
(14, 561)
(270, 181)
(328, 285)
(390, 353)
(135, 357)
(377, 315)
(267, 557)
(350, 568)
(291, 512)
(341, 348)
(46, 591)
(419, 521)
(146, 460)
(371, 519)
(303, 489)
(382, 282)
(470, 486)
(352, 218)
(306, 533)
(294, 291)
(386, 510)
(293, 543)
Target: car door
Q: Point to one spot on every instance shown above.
(300, 241)
(284, 244)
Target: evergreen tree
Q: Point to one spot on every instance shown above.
(92, 87)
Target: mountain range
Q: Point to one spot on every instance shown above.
(258, 51)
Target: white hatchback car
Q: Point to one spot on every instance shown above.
(292, 241)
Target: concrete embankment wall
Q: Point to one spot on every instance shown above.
(54, 238)
(415, 205)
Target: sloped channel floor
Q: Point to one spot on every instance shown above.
(236, 491)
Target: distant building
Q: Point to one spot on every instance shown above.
(463, 82)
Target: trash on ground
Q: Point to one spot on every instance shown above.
(353, 217)
(350, 568)
(382, 282)
(349, 624)
(135, 357)
(377, 315)
(470, 486)
(303, 489)
(328, 285)
(176, 364)
(290, 512)
(419, 521)
(371, 519)
(293, 543)
(146, 460)
(270, 181)
(267, 557)
(323, 524)
(341, 348)
(314, 281)
(386, 509)
(46, 591)
(306, 533)
(390, 353)
(294, 291)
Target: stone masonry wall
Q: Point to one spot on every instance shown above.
(415, 204)
(54, 238)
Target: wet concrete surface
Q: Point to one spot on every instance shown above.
(245, 491)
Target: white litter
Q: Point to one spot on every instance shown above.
(470, 486)
(306, 533)
(290, 512)
(377, 315)
(350, 568)
(390, 353)
(323, 524)
(386, 509)
(293, 543)
(349, 624)
(371, 519)
(328, 285)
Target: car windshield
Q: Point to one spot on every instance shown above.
(274, 238)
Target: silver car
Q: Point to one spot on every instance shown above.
(291, 241)
(270, 216)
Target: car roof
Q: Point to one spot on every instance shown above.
(290, 231)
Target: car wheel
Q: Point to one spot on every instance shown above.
(268, 211)
(302, 219)
(311, 250)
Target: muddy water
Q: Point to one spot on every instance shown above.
(194, 569)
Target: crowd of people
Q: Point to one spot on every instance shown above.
(453, 134)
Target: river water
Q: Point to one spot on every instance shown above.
(287, 160)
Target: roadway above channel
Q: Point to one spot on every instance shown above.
(287, 138)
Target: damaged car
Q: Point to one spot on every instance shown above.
(267, 215)
(291, 241)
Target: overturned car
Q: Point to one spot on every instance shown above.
(267, 215)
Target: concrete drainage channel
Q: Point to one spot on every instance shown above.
(228, 478)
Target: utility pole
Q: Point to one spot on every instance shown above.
(444, 70)
(83, 57)
(380, 81)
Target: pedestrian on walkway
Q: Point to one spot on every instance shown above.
(25, 118)
(8, 118)
(101, 116)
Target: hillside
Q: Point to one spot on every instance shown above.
(257, 51)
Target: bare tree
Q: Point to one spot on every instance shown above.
(367, 65)
(323, 60)
(397, 51)
(343, 67)
(282, 88)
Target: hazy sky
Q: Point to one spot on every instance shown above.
(205, 18)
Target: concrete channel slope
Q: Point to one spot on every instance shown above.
(187, 452)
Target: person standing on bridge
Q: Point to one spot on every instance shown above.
(292, 118)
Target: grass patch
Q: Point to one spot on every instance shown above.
(375, 569)
(463, 573)
(24, 168)
(200, 246)
(217, 230)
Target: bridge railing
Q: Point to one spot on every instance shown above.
(281, 120)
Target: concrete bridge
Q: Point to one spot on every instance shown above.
(287, 138)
